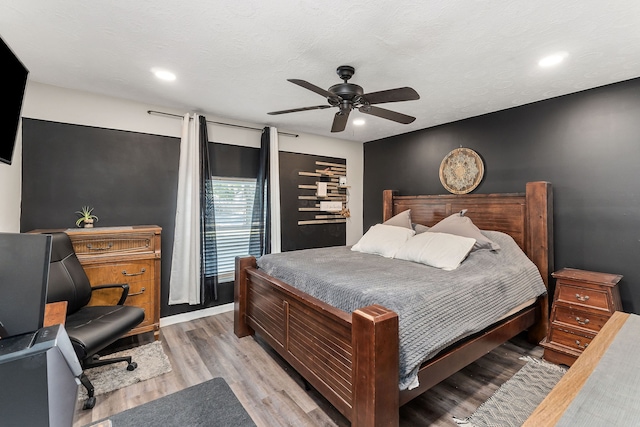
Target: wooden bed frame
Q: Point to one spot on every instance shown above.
(352, 359)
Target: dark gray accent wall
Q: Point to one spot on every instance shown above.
(586, 144)
(128, 177)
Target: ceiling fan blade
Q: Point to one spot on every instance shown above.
(295, 110)
(391, 95)
(340, 121)
(387, 114)
(314, 88)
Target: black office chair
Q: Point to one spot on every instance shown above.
(90, 328)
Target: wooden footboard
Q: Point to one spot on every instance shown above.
(352, 360)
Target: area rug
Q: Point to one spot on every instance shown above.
(516, 399)
(151, 360)
(211, 403)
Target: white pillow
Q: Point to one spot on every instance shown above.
(440, 250)
(383, 240)
(403, 219)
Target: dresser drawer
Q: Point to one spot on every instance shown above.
(121, 272)
(569, 338)
(584, 296)
(117, 244)
(148, 315)
(139, 275)
(577, 318)
(140, 293)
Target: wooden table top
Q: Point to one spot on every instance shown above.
(551, 409)
(55, 313)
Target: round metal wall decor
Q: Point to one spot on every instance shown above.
(461, 171)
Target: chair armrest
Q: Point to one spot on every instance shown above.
(124, 286)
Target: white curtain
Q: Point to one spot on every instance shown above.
(274, 187)
(184, 281)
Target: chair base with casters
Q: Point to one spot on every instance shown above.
(94, 362)
(90, 328)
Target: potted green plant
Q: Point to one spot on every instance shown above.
(86, 217)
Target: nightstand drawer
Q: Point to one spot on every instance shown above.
(578, 318)
(567, 338)
(584, 296)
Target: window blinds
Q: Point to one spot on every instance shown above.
(233, 208)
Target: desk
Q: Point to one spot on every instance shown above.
(55, 313)
(553, 407)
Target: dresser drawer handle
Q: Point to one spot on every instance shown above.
(581, 346)
(138, 293)
(582, 322)
(582, 297)
(99, 248)
(124, 272)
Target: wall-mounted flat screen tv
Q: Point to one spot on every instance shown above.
(15, 78)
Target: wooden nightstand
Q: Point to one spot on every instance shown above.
(583, 302)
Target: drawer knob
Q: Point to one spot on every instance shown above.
(582, 298)
(581, 346)
(582, 322)
(138, 293)
(124, 272)
(100, 248)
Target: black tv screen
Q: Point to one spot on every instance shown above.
(24, 275)
(15, 77)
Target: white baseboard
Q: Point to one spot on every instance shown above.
(192, 315)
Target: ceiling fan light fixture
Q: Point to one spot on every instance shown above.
(551, 60)
(359, 122)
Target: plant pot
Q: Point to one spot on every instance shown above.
(88, 223)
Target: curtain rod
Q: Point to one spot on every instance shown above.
(162, 113)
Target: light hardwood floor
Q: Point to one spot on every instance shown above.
(273, 393)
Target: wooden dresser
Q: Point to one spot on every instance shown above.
(582, 304)
(122, 255)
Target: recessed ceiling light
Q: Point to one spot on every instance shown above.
(163, 74)
(551, 60)
(358, 122)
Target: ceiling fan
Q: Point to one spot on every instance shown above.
(347, 96)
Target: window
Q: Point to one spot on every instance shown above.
(233, 210)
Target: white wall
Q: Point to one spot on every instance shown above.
(52, 103)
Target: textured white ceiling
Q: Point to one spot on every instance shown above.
(232, 58)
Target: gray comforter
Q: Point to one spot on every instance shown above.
(435, 307)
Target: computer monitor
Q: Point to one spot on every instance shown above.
(24, 274)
